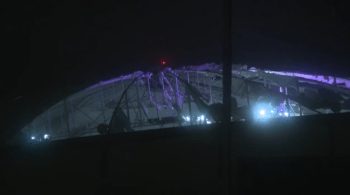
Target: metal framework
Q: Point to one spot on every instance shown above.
(155, 96)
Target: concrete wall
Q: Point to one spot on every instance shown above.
(282, 156)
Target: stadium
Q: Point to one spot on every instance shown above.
(191, 95)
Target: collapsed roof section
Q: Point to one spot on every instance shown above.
(155, 97)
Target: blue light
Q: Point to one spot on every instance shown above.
(286, 114)
(33, 138)
(262, 112)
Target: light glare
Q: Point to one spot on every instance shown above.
(33, 137)
(262, 112)
(286, 113)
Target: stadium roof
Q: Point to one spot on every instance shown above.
(155, 94)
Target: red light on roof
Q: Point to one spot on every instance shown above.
(163, 63)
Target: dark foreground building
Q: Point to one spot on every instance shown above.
(296, 155)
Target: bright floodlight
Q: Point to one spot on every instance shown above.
(46, 136)
(187, 118)
(286, 113)
(208, 122)
(202, 117)
(271, 111)
(280, 114)
(262, 112)
(33, 137)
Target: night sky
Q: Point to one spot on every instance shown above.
(52, 48)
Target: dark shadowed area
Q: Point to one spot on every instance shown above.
(310, 156)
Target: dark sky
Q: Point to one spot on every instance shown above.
(54, 48)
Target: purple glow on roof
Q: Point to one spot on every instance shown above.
(323, 79)
(237, 69)
(253, 69)
(172, 92)
(168, 83)
(129, 76)
(211, 66)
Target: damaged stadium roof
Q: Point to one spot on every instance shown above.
(153, 96)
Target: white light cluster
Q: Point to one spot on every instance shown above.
(199, 118)
(187, 118)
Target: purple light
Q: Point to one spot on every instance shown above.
(129, 76)
(236, 69)
(212, 66)
(323, 79)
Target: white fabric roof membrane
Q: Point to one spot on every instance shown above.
(154, 94)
